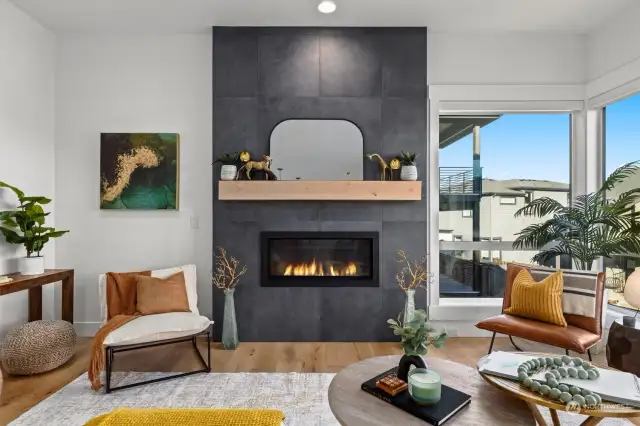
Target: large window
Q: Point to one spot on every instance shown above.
(622, 145)
(491, 165)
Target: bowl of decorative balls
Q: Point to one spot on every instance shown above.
(555, 370)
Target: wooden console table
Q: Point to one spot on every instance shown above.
(34, 284)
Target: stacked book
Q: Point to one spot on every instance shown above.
(389, 388)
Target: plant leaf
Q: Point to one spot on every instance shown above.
(13, 188)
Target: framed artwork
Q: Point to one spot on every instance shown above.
(139, 171)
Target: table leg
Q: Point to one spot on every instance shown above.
(35, 303)
(67, 298)
(591, 421)
(554, 417)
(537, 414)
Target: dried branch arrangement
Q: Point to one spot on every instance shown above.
(414, 274)
(226, 276)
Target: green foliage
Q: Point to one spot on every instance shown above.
(591, 227)
(416, 335)
(408, 158)
(228, 159)
(26, 225)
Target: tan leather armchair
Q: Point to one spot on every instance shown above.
(580, 335)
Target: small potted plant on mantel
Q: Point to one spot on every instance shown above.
(229, 168)
(26, 226)
(409, 170)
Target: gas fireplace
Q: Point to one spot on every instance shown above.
(319, 259)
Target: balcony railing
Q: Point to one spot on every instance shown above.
(459, 180)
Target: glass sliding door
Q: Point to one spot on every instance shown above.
(490, 166)
(622, 145)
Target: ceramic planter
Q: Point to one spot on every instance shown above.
(228, 172)
(31, 265)
(409, 173)
(405, 365)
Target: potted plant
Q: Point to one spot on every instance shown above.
(409, 170)
(26, 226)
(226, 278)
(416, 336)
(229, 168)
(599, 224)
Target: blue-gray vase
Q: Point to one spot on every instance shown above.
(229, 324)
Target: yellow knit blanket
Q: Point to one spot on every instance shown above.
(188, 416)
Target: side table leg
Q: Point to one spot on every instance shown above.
(35, 304)
(537, 414)
(591, 421)
(554, 417)
(67, 298)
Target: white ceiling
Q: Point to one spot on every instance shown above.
(174, 16)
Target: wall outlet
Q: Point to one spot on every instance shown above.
(193, 222)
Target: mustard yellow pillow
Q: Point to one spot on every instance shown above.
(540, 301)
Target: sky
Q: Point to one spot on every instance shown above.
(536, 146)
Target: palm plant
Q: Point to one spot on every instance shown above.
(591, 227)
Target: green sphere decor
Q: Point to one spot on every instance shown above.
(558, 368)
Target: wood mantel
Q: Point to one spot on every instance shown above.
(316, 190)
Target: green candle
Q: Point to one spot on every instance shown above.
(425, 386)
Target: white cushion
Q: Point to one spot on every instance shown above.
(153, 328)
(190, 280)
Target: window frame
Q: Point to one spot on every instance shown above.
(469, 99)
(503, 202)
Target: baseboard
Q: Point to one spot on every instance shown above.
(86, 329)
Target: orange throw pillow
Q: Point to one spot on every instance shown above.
(159, 296)
(540, 301)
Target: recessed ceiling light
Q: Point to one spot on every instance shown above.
(327, 6)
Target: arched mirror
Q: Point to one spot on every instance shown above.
(317, 150)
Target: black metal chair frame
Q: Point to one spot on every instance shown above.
(520, 350)
(110, 351)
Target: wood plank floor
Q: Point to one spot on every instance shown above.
(21, 393)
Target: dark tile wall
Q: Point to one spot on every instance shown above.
(375, 77)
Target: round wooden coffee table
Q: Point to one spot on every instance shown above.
(354, 407)
(533, 400)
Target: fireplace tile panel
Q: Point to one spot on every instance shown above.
(241, 122)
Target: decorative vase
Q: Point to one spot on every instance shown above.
(409, 173)
(228, 172)
(31, 265)
(409, 306)
(405, 365)
(229, 324)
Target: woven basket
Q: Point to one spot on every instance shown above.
(38, 346)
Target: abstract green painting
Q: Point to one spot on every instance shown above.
(139, 171)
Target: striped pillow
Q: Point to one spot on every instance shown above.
(540, 301)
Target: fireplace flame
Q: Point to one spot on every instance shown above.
(317, 269)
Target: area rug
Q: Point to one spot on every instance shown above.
(301, 396)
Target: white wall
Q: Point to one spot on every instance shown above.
(27, 56)
(615, 44)
(132, 84)
(614, 58)
(506, 59)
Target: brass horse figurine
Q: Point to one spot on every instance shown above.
(384, 167)
(262, 166)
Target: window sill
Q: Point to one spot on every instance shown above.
(465, 309)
